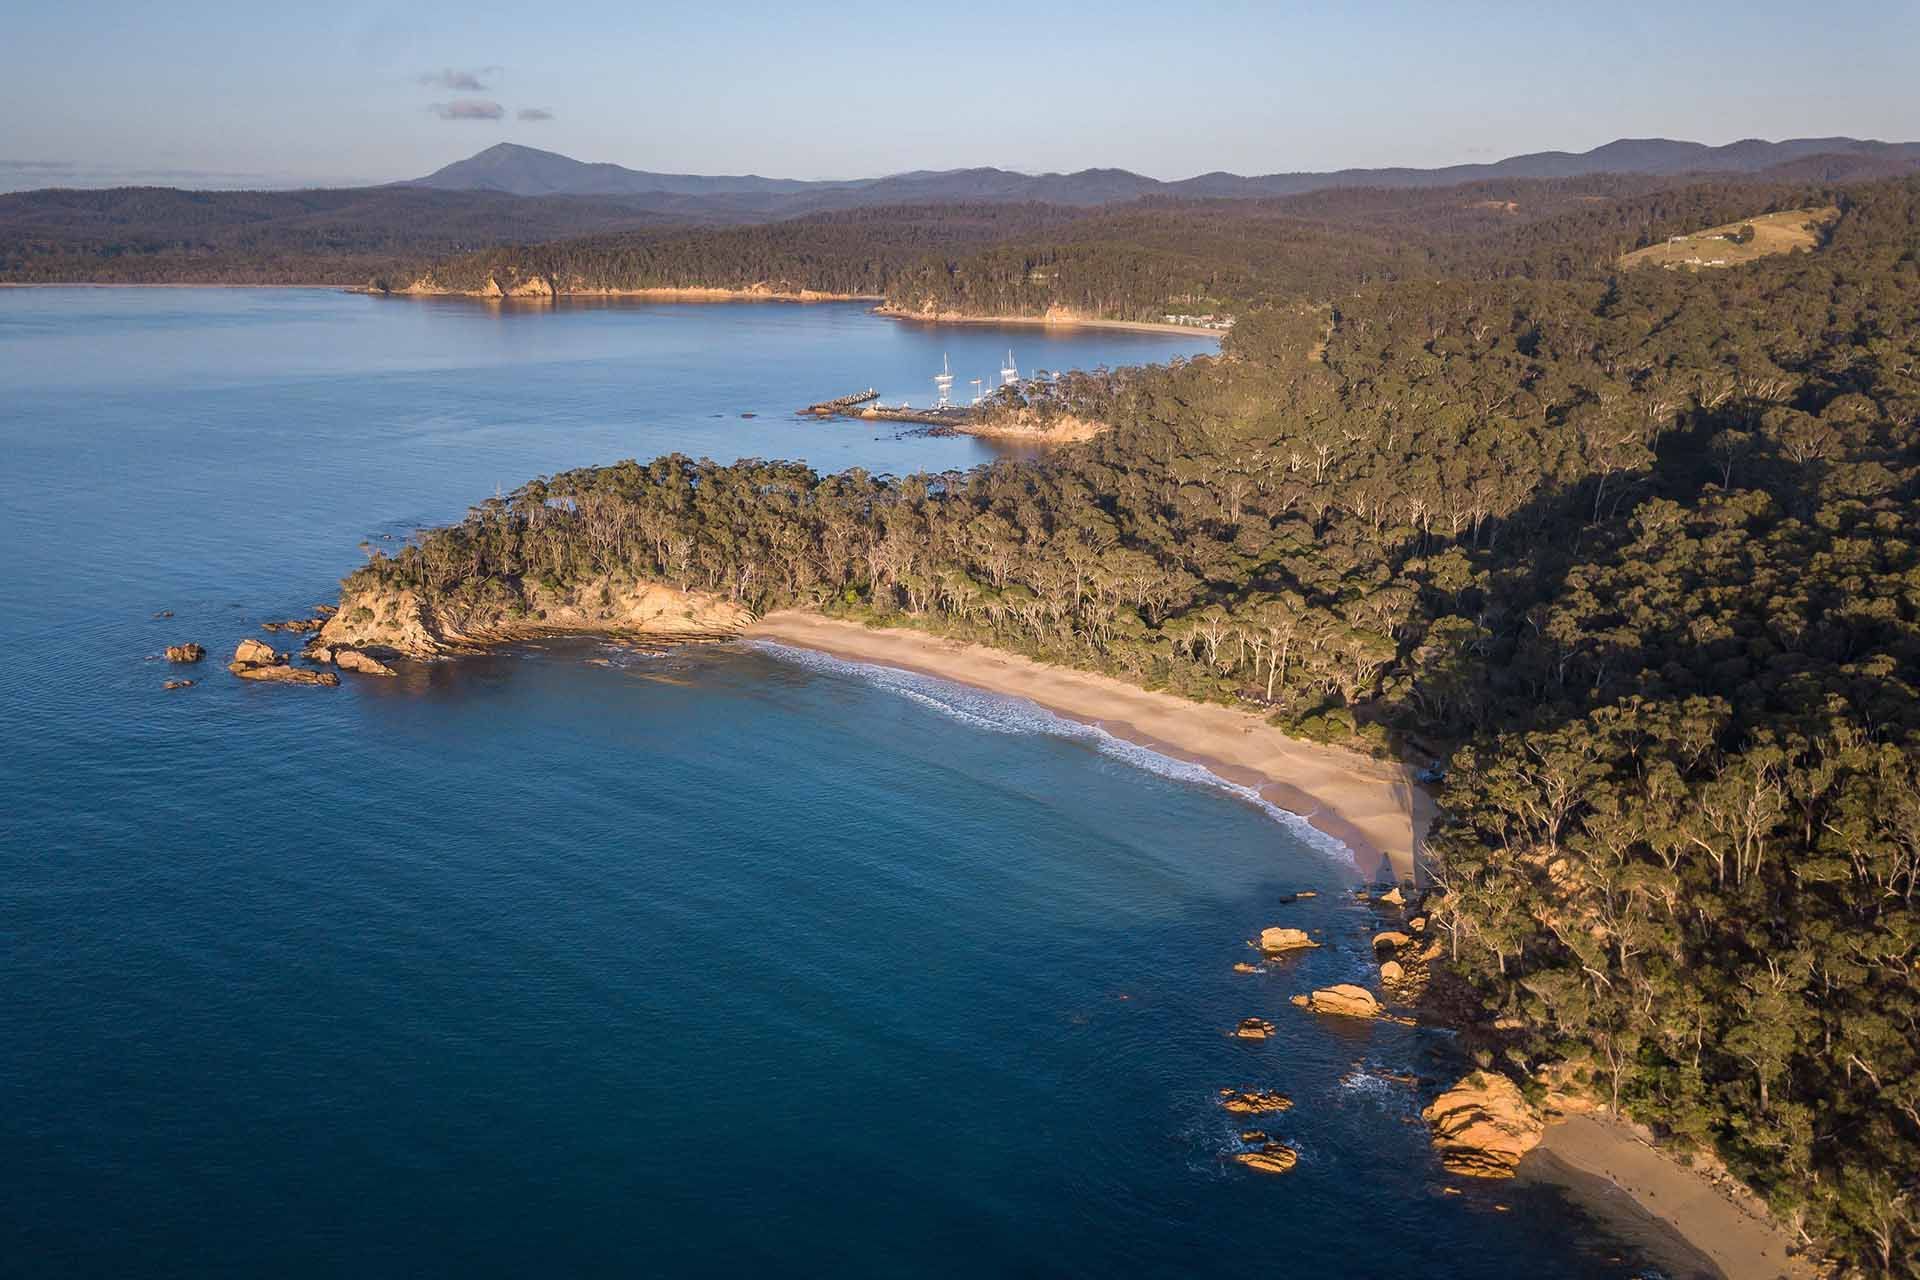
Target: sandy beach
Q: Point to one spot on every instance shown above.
(1050, 321)
(1372, 807)
(1601, 1162)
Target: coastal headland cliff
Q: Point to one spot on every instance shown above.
(399, 621)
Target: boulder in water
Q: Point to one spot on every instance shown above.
(1483, 1126)
(254, 653)
(365, 663)
(188, 652)
(178, 684)
(1391, 938)
(1270, 1158)
(1392, 972)
(1253, 1029)
(1345, 1000)
(283, 674)
(1279, 939)
(1254, 1102)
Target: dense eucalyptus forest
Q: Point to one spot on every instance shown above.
(1637, 554)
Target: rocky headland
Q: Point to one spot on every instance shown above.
(389, 622)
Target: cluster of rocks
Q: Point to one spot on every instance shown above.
(1253, 1029)
(188, 652)
(347, 659)
(253, 660)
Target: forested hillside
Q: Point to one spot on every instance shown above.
(855, 252)
(1144, 260)
(159, 235)
(1637, 553)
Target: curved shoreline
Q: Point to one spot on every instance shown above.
(1600, 1162)
(1373, 808)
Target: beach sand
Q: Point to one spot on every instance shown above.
(1050, 321)
(1372, 807)
(1615, 1174)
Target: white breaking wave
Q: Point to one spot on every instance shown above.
(1004, 713)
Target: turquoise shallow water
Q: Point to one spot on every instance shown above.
(571, 961)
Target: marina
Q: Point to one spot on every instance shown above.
(942, 413)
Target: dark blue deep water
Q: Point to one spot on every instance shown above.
(567, 961)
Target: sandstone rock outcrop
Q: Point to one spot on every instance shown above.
(1277, 939)
(385, 622)
(253, 660)
(1344, 1000)
(1393, 898)
(1483, 1126)
(365, 663)
(254, 653)
(1242, 966)
(1271, 1158)
(1253, 1029)
(295, 625)
(1254, 1102)
(188, 652)
(1391, 938)
(1392, 972)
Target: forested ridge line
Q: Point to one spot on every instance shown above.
(1145, 260)
(1638, 554)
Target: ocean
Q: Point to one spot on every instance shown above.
(574, 960)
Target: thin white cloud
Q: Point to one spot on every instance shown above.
(468, 109)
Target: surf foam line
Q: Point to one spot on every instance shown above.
(1014, 715)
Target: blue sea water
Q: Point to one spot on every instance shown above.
(570, 960)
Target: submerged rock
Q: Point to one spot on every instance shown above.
(188, 652)
(365, 663)
(1243, 967)
(1253, 1029)
(178, 684)
(1277, 939)
(295, 624)
(1254, 1102)
(1271, 1158)
(1254, 1136)
(1483, 1126)
(1345, 999)
(283, 674)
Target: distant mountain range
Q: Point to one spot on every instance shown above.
(526, 171)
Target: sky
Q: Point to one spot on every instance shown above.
(217, 93)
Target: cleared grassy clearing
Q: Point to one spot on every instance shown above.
(1722, 246)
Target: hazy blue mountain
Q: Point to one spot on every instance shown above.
(529, 172)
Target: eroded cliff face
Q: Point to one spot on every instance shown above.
(1024, 424)
(402, 622)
